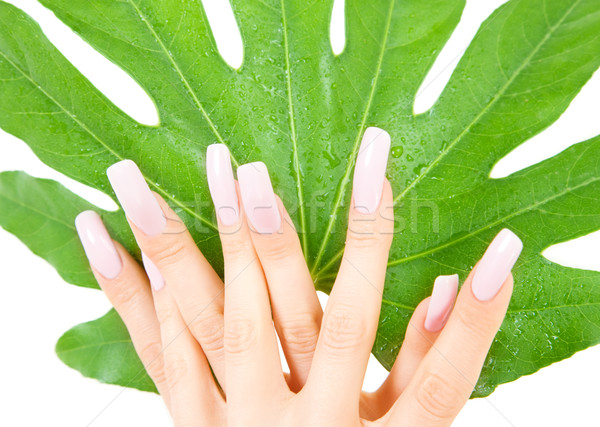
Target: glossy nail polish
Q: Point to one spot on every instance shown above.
(138, 202)
(441, 302)
(258, 197)
(98, 245)
(369, 172)
(221, 183)
(156, 279)
(496, 264)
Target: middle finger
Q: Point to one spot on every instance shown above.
(296, 310)
(251, 351)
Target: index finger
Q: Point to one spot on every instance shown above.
(352, 311)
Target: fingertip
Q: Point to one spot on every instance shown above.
(163, 204)
(387, 195)
(174, 224)
(154, 276)
(222, 184)
(418, 317)
(287, 219)
(496, 264)
(369, 171)
(387, 190)
(258, 198)
(98, 245)
(441, 302)
(135, 197)
(417, 335)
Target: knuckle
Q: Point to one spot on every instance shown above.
(343, 330)
(176, 371)
(277, 248)
(300, 333)
(240, 336)
(236, 246)
(474, 322)
(364, 238)
(123, 296)
(367, 232)
(167, 315)
(439, 398)
(170, 253)
(151, 357)
(150, 352)
(156, 371)
(208, 330)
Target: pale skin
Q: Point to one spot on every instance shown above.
(197, 322)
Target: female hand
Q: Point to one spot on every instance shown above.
(184, 321)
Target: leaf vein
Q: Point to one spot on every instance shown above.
(351, 158)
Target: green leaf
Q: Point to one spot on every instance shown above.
(302, 110)
(102, 349)
(41, 213)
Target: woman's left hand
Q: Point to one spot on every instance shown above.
(185, 322)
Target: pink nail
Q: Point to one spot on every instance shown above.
(221, 183)
(258, 197)
(441, 302)
(98, 245)
(496, 264)
(135, 197)
(156, 279)
(369, 172)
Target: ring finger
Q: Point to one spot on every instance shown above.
(251, 352)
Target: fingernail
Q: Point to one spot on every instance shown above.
(496, 264)
(369, 172)
(98, 245)
(221, 183)
(135, 197)
(258, 197)
(441, 302)
(156, 279)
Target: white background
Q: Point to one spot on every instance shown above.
(36, 306)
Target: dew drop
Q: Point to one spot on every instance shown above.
(397, 151)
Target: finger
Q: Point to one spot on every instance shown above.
(425, 325)
(352, 312)
(251, 351)
(297, 313)
(193, 394)
(125, 284)
(296, 310)
(163, 237)
(446, 377)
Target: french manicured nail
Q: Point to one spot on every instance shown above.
(258, 197)
(135, 197)
(221, 183)
(98, 245)
(156, 279)
(369, 172)
(442, 300)
(496, 264)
